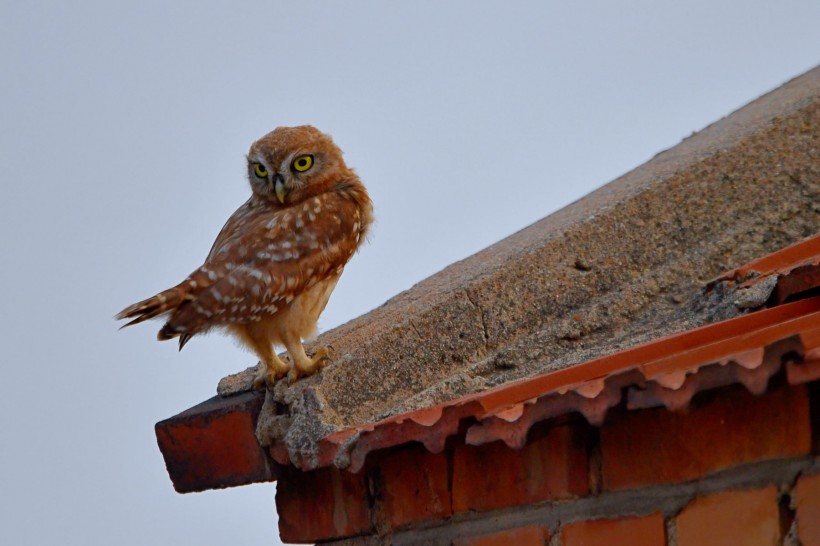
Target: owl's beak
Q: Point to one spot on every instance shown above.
(279, 188)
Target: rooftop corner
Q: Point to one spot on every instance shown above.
(628, 264)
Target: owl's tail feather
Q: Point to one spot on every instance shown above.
(164, 302)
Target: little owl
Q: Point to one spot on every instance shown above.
(273, 266)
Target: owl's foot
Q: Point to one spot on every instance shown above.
(268, 373)
(309, 366)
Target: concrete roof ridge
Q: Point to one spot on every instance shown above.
(625, 263)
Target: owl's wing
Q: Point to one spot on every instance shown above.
(265, 260)
(236, 225)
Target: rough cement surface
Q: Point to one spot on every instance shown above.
(625, 264)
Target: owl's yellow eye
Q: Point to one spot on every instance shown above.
(303, 163)
(260, 171)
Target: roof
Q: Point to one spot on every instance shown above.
(667, 372)
(544, 314)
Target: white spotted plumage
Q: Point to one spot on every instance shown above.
(277, 259)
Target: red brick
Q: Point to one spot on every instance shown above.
(214, 444)
(533, 535)
(644, 531)
(807, 503)
(659, 446)
(322, 504)
(415, 486)
(495, 476)
(742, 518)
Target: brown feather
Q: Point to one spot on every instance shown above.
(157, 305)
(183, 339)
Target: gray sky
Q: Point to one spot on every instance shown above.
(123, 129)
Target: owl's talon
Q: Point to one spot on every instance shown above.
(293, 376)
(265, 378)
(310, 366)
(322, 356)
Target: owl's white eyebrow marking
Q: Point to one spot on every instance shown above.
(256, 158)
(285, 165)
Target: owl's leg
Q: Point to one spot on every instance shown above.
(271, 366)
(270, 369)
(302, 364)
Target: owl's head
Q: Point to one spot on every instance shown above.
(291, 164)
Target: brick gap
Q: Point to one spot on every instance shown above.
(374, 489)
(672, 512)
(540, 429)
(457, 439)
(778, 380)
(594, 461)
(785, 506)
(783, 350)
(706, 398)
(671, 531)
(802, 295)
(449, 453)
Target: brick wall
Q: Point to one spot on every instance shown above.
(734, 469)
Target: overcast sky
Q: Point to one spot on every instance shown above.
(123, 129)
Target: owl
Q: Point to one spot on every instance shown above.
(276, 261)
